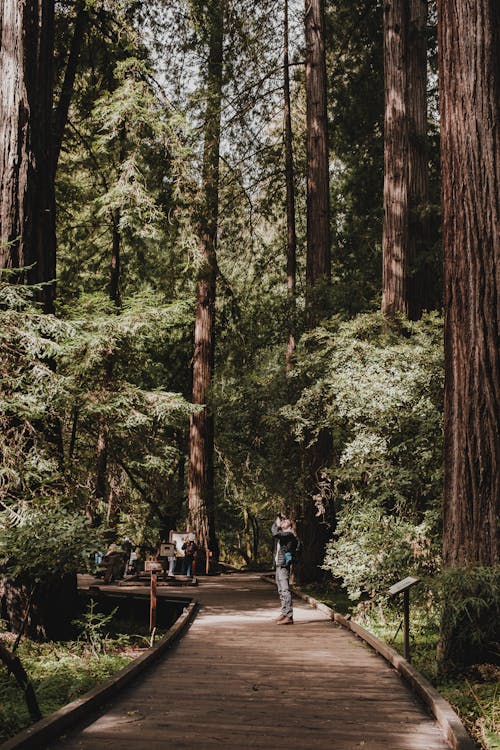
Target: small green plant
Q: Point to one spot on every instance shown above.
(93, 628)
(470, 624)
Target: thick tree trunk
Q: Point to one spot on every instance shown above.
(419, 283)
(45, 612)
(469, 76)
(291, 237)
(405, 231)
(318, 266)
(201, 433)
(27, 197)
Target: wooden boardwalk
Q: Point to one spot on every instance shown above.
(238, 680)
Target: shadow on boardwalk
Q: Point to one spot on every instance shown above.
(238, 680)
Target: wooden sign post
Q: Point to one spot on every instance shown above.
(404, 586)
(152, 607)
(152, 566)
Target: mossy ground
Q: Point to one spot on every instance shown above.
(59, 673)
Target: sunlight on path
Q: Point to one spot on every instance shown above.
(237, 680)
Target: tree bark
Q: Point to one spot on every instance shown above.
(201, 434)
(27, 213)
(318, 265)
(61, 113)
(291, 236)
(469, 78)
(419, 291)
(405, 232)
(45, 614)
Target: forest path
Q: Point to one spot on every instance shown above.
(238, 680)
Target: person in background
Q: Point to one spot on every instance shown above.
(285, 544)
(190, 549)
(127, 548)
(171, 561)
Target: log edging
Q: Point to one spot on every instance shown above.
(37, 735)
(446, 717)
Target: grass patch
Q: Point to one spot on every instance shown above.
(59, 673)
(474, 693)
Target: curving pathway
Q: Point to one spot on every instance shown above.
(237, 680)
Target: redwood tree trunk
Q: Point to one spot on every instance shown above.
(311, 528)
(318, 266)
(419, 286)
(201, 433)
(291, 237)
(27, 197)
(469, 76)
(405, 157)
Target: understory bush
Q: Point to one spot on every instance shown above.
(377, 389)
(470, 623)
(59, 674)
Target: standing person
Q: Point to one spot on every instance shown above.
(127, 548)
(190, 549)
(285, 546)
(171, 560)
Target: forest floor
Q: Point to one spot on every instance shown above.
(60, 673)
(473, 693)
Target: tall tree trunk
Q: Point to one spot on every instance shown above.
(318, 265)
(291, 237)
(419, 283)
(310, 524)
(469, 77)
(201, 434)
(405, 157)
(27, 197)
(62, 110)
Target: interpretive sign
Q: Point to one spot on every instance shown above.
(400, 586)
(152, 566)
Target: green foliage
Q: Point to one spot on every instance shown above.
(92, 626)
(60, 673)
(378, 390)
(55, 390)
(372, 549)
(48, 542)
(470, 624)
(30, 391)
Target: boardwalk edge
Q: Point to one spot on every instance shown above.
(446, 717)
(52, 726)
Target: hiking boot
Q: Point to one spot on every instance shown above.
(277, 620)
(285, 621)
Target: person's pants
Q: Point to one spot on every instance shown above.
(285, 595)
(186, 565)
(171, 566)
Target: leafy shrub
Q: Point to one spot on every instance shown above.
(377, 389)
(470, 624)
(49, 542)
(92, 626)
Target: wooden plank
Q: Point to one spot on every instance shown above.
(248, 683)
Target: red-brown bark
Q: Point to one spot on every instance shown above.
(291, 236)
(27, 198)
(318, 265)
(469, 77)
(201, 432)
(405, 232)
(469, 70)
